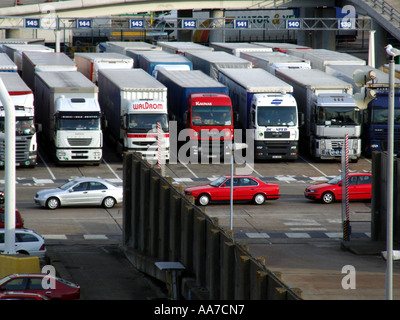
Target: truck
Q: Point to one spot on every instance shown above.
(266, 105)
(6, 64)
(270, 61)
(14, 51)
(180, 47)
(320, 58)
(66, 104)
(153, 61)
(211, 62)
(122, 46)
(236, 48)
(375, 111)
(89, 63)
(330, 113)
(33, 62)
(201, 104)
(26, 129)
(134, 103)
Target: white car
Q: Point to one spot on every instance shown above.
(26, 242)
(81, 192)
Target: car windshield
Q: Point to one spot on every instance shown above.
(217, 182)
(68, 185)
(335, 180)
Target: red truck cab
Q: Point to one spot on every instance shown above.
(210, 117)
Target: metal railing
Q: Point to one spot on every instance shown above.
(386, 9)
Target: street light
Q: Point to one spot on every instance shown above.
(233, 147)
(389, 197)
(9, 210)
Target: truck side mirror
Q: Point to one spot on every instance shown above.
(38, 127)
(185, 117)
(301, 119)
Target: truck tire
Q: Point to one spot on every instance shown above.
(327, 197)
(259, 198)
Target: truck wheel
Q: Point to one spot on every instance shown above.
(52, 203)
(259, 198)
(327, 197)
(108, 202)
(203, 199)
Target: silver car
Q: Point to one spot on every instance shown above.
(81, 192)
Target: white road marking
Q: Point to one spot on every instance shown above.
(47, 167)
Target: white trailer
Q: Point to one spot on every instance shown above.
(329, 110)
(67, 107)
(25, 139)
(211, 62)
(134, 103)
(33, 62)
(89, 63)
(6, 64)
(180, 47)
(266, 105)
(236, 48)
(280, 46)
(320, 58)
(14, 51)
(270, 61)
(122, 46)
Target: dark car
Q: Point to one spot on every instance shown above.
(245, 188)
(34, 283)
(328, 192)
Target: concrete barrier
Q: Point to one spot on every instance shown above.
(10, 264)
(160, 224)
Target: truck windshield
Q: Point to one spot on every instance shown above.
(211, 116)
(145, 122)
(338, 116)
(380, 116)
(23, 126)
(276, 116)
(78, 124)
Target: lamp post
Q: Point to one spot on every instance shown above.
(389, 204)
(389, 172)
(9, 211)
(233, 147)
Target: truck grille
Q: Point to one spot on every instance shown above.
(79, 142)
(277, 134)
(21, 150)
(337, 144)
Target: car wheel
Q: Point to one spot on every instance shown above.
(327, 197)
(52, 203)
(203, 199)
(259, 198)
(108, 202)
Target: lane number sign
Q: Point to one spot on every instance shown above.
(136, 23)
(241, 24)
(32, 23)
(293, 24)
(189, 23)
(84, 23)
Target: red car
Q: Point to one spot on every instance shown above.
(11, 295)
(32, 283)
(244, 188)
(359, 188)
(19, 222)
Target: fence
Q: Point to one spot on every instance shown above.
(160, 224)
